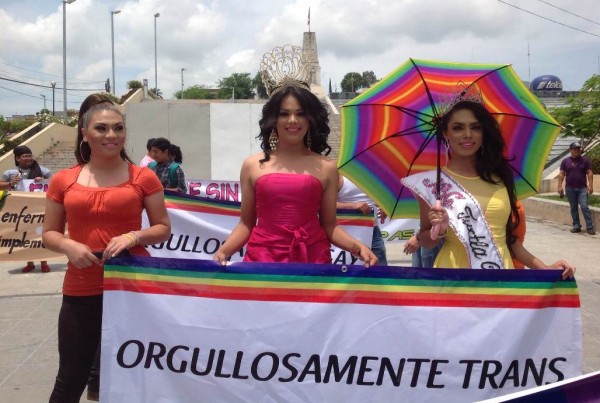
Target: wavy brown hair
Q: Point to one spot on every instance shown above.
(316, 113)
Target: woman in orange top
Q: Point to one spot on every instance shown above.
(101, 201)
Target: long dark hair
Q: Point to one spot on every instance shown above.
(93, 103)
(313, 109)
(491, 164)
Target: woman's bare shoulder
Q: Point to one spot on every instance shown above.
(254, 159)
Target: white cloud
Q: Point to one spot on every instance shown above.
(213, 39)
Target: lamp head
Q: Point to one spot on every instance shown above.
(116, 12)
(69, 1)
(156, 15)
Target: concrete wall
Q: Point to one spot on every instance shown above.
(215, 138)
(555, 211)
(549, 185)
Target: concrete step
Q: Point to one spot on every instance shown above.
(60, 156)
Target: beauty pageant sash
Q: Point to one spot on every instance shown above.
(466, 217)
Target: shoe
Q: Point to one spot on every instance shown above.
(575, 230)
(93, 396)
(45, 268)
(591, 231)
(28, 268)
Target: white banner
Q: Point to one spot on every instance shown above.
(188, 331)
(199, 226)
(30, 185)
(398, 230)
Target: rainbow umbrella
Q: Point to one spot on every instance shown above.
(389, 131)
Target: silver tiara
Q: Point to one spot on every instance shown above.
(463, 92)
(283, 67)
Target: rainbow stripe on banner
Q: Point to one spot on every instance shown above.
(180, 201)
(396, 286)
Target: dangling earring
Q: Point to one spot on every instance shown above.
(80, 153)
(273, 140)
(308, 141)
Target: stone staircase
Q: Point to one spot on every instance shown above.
(334, 135)
(60, 156)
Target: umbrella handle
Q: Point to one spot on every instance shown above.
(435, 230)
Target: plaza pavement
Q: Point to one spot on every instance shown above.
(29, 305)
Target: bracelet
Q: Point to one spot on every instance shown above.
(444, 234)
(355, 250)
(135, 239)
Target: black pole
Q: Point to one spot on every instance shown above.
(53, 86)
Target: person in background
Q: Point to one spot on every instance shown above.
(176, 154)
(421, 256)
(12, 179)
(351, 197)
(147, 158)
(169, 172)
(100, 201)
(579, 185)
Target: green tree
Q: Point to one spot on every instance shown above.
(237, 86)
(133, 84)
(368, 78)
(260, 87)
(352, 82)
(195, 92)
(2, 124)
(581, 118)
(155, 93)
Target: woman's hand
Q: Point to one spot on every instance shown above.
(120, 243)
(80, 255)
(16, 179)
(366, 255)
(381, 215)
(412, 245)
(363, 207)
(38, 179)
(568, 269)
(221, 258)
(438, 218)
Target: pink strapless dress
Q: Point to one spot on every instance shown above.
(288, 228)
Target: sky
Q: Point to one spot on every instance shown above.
(211, 39)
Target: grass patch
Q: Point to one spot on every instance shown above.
(593, 200)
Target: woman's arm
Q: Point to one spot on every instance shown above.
(328, 219)
(53, 236)
(533, 262)
(159, 230)
(241, 232)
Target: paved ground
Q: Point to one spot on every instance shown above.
(29, 305)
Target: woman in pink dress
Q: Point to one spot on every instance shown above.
(289, 190)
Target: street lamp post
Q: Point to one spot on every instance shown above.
(43, 96)
(155, 58)
(233, 88)
(182, 70)
(112, 44)
(53, 84)
(65, 2)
